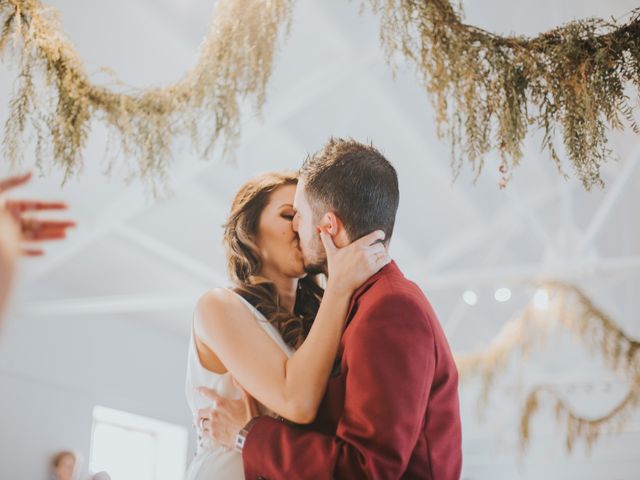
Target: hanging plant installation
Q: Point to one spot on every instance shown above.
(489, 90)
(235, 61)
(570, 310)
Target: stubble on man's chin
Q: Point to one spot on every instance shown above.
(315, 258)
(315, 268)
(318, 265)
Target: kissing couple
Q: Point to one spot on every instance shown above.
(289, 380)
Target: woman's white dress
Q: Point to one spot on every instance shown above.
(213, 461)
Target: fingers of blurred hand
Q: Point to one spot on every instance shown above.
(56, 223)
(41, 234)
(47, 235)
(41, 230)
(13, 182)
(30, 252)
(20, 206)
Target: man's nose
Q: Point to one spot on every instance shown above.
(294, 223)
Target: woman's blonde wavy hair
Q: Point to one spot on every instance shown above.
(244, 262)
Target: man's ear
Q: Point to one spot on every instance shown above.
(331, 223)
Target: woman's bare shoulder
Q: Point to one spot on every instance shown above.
(216, 306)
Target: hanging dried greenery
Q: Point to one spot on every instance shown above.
(522, 335)
(235, 61)
(577, 426)
(489, 90)
(569, 309)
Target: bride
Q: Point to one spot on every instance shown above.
(275, 333)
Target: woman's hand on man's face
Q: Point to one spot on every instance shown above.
(349, 267)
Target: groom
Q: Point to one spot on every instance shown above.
(391, 406)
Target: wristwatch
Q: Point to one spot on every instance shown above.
(242, 434)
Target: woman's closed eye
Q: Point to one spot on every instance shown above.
(287, 213)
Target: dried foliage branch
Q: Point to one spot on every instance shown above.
(570, 309)
(490, 90)
(235, 61)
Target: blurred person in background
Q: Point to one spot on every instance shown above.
(63, 465)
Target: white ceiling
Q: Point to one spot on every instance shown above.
(148, 260)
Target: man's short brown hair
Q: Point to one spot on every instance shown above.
(356, 182)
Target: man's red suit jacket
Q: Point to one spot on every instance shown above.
(391, 406)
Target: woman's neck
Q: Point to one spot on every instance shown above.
(286, 287)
